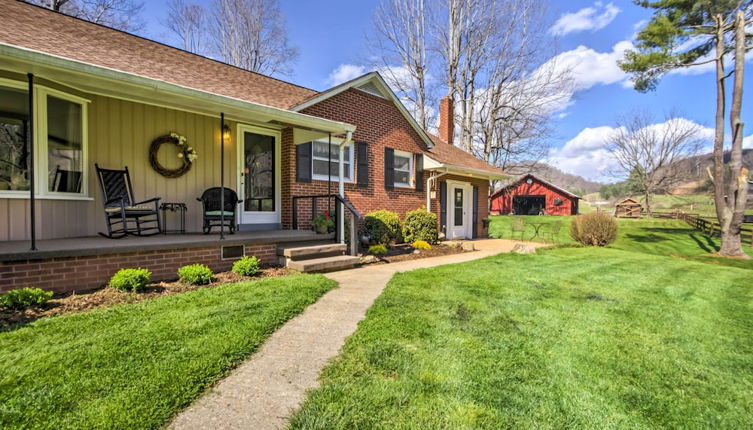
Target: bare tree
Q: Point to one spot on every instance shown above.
(188, 23)
(251, 34)
(121, 14)
(648, 152)
(401, 53)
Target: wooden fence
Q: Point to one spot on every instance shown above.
(708, 226)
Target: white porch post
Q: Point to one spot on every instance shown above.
(341, 191)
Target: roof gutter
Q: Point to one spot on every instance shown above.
(450, 168)
(83, 68)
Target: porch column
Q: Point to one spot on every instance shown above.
(32, 163)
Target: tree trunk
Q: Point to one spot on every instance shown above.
(737, 185)
(647, 196)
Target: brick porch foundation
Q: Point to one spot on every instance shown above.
(69, 274)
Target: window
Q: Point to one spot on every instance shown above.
(59, 142)
(320, 160)
(403, 169)
(14, 147)
(65, 145)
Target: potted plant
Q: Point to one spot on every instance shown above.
(322, 223)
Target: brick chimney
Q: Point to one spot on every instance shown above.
(446, 119)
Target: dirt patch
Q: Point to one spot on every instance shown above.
(107, 297)
(405, 252)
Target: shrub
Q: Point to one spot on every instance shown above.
(23, 298)
(594, 229)
(420, 225)
(131, 280)
(246, 266)
(421, 244)
(195, 274)
(383, 227)
(378, 249)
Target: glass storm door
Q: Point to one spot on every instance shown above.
(459, 223)
(259, 157)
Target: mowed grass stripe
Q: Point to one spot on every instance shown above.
(568, 338)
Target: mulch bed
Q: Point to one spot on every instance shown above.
(107, 297)
(405, 252)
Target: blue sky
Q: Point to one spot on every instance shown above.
(591, 34)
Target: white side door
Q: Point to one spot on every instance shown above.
(460, 214)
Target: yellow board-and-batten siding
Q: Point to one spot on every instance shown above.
(119, 134)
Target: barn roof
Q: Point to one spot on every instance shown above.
(518, 181)
(627, 201)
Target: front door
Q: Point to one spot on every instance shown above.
(259, 156)
(460, 224)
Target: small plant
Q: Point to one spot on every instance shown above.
(378, 249)
(594, 229)
(383, 227)
(130, 280)
(420, 244)
(246, 266)
(24, 298)
(195, 274)
(322, 223)
(420, 225)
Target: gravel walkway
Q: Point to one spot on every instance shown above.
(264, 391)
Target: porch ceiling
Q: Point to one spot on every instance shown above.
(94, 79)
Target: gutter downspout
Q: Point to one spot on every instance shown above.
(429, 184)
(341, 183)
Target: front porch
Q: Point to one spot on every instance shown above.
(84, 263)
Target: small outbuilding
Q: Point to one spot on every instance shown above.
(530, 195)
(628, 208)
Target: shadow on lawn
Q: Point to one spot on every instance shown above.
(704, 242)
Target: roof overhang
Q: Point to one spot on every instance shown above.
(377, 80)
(94, 79)
(433, 165)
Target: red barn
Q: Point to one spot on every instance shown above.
(530, 195)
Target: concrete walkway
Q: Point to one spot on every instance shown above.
(264, 391)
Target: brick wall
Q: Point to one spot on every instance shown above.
(86, 273)
(378, 123)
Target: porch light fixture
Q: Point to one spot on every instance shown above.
(226, 132)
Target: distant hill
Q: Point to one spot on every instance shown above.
(695, 170)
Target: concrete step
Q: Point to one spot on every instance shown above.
(326, 264)
(308, 251)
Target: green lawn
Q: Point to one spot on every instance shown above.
(648, 235)
(567, 338)
(135, 366)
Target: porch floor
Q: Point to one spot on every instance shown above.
(19, 250)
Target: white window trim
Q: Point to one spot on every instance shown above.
(335, 174)
(41, 177)
(411, 177)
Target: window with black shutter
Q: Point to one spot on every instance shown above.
(362, 166)
(389, 168)
(303, 162)
(419, 172)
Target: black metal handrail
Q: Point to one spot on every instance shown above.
(314, 209)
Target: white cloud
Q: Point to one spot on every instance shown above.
(587, 154)
(748, 142)
(591, 18)
(344, 73)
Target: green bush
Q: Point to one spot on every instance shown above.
(195, 274)
(421, 244)
(594, 229)
(246, 266)
(420, 225)
(131, 280)
(378, 249)
(23, 298)
(383, 227)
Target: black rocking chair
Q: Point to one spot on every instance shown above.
(121, 208)
(213, 216)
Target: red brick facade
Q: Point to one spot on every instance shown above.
(86, 273)
(381, 125)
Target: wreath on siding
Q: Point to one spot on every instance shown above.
(186, 154)
(558, 201)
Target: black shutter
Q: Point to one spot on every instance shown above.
(443, 207)
(475, 212)
(362, 169)
(389, 168)
(303, 162)
(419, 161)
